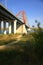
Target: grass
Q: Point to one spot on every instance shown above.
(5, 39)
(28, 51)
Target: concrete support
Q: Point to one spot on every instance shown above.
(24, 29)
(9, 27)
(0, 26)
(15, 21)
(21, 29)
(12, 27)
(2, 31)
(4, 27)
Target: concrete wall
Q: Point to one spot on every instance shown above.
(24, 29)
(21, 29)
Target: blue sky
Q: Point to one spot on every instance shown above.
(33, 9)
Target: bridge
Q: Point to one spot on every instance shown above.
(9, 23)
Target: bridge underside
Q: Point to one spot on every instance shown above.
(10, 23)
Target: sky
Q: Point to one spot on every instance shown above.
(32, 8)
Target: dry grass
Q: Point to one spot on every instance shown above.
(4, 39)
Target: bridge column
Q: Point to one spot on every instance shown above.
(2, 30)
(24, 29)
(9, 27)
(15, 21)
(0, 26)
(4, 27)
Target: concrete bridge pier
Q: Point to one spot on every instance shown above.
(15, 25)
(9, 27)
(21, 28)
(24, 29)
(4, 24)
(0, 27)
